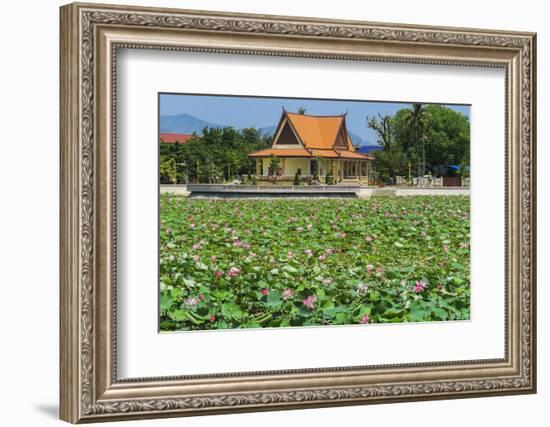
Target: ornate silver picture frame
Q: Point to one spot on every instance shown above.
(91, 34)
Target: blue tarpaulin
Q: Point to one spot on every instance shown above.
(454, 168)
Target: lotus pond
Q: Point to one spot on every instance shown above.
(247, 263)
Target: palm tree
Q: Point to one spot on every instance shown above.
(416, 124)
(301, 110)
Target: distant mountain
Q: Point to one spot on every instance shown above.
(364, 149)
(355, 139)
(184, 123)
(268, 130)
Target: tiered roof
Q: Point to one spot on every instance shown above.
(317, 136)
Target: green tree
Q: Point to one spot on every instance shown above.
(443, 137)
(416, 127)
(167, 170)
(447, 136)
(390, 161)
(274, 162)
(424, 135)
(218, 154)
(382, 125)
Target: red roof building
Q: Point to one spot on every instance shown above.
(175, 138)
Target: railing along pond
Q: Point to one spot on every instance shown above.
(222, 188)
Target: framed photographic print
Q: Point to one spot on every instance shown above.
(266, 212)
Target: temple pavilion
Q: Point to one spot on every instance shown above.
(314, 146)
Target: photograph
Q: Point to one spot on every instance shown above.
(263, 210)
(294, 212)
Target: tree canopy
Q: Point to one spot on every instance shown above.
(419, 139)
(219, 154)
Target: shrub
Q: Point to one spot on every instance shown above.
(296, 178)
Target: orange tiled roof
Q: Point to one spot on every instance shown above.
(302, 152)
(172, 138)
(317, 131)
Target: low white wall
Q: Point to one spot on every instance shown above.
(180, 189)
(364, 192)
(441, 191)
(411, 191)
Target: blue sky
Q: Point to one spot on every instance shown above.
(240, 112)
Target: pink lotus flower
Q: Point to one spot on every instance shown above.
(192, 225)
(370, 267)
(289, 255)
(322, 257)
(419, 286)
(233, 271)
(196, 258)
(218, 273)
(309, 252)
(379, 269)
(190, 302)
(212, 318)
(246, 245)
(197, 246)
(329, 251)
(309, 302)
(287, 293)
(265, 291)
(213, 258)
(464, 245)
(253, 254)
(365, 319)
(237, 243)
(369, 238)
